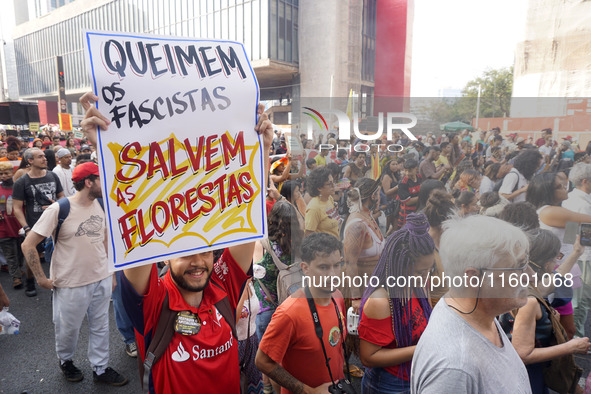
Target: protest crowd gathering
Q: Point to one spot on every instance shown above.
(480, 204)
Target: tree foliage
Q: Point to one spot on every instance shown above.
(496, 87)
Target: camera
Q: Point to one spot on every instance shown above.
(343, 386)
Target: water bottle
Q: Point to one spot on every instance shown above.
(8, 323)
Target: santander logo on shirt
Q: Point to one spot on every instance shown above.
(181, 354)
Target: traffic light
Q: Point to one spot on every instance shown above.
(61, 85)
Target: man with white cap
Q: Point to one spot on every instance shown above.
(63, 170)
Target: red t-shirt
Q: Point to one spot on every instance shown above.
(9, 226)
(206, 362)
(290, 340)
(381, 332)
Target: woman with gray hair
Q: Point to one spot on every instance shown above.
(463, 349)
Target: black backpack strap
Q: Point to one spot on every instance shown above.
(159, 343)
(223, 306)
(64, 211)
(100, 201)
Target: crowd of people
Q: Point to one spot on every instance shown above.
(268, 317)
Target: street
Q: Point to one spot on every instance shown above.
(28, 362)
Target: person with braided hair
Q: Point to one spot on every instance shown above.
(394, 318)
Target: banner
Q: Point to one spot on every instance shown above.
(181, 165)
(65, 122)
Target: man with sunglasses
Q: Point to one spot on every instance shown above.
(464, 349)
(202, 355)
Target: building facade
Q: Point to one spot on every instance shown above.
(298, 48)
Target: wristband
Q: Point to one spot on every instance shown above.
(26, 228)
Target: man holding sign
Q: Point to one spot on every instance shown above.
(203, 351)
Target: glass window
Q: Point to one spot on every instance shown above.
(256, 30)
(224, 24)
(273, 30)
(248, 27)
(288, 33)
(295, 34)
(281, 31)
(232, 23)
(239, 23)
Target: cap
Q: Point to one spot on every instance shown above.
(83, 170)
(84, 147)
(568, 137)
(520, 140)
(62, 152)
(512, 135)
(278, 162)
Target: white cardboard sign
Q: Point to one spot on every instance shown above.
(181, 165)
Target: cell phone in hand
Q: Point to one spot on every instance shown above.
(585, 233)
(570, 233)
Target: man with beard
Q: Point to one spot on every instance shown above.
(290, 352)
(32, 194)
(202, 355)
(79, 275)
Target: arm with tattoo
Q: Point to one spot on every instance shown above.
(276, 372)
(29, 248)
(285, 379)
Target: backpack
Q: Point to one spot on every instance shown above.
(165, 331)
(289, 279)
(64, 211)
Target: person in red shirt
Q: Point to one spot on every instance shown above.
(290, 352)
(206, 361)
(408, 190)
(393, 317)
(9, 227)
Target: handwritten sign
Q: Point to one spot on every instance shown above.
(181, 165)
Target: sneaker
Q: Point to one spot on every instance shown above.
(70, 371)
(31, 291)
(17, 283)
(131, 349)
(111, 377)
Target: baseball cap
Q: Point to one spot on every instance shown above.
(568, 138)
(512, 135)
(520, 140)
(83, 170)
(62, 152)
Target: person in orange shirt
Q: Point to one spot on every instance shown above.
(12, 152)
(290, 352)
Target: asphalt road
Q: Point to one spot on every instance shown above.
(29, 364)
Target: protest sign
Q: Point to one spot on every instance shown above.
(181, 165)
